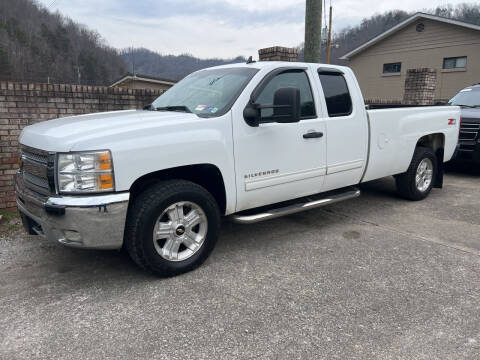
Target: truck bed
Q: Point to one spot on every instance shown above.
(394, 133)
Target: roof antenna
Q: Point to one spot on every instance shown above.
(250, 60)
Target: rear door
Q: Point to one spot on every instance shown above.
(276, 162)
(346, 125)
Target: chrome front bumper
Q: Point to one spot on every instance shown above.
(90, 222)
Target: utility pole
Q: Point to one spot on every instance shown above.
(134, 76)
(329, 41)
(133, 60)
(313, 31)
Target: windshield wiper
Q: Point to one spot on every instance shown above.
(174, 108)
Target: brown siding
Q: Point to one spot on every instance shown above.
(418, 50)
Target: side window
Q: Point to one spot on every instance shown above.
(455, 62)
(392, 68)
(289, 78)
(337, 96)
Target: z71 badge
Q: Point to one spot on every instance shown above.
(261, 173)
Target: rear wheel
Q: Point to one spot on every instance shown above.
(172, 227)
(417, 182)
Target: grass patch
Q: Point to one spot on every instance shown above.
(10, 222)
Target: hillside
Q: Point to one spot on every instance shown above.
(36, 45)
(169, 66)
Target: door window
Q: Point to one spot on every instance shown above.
(337, 96)
(289, 78)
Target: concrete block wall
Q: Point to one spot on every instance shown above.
(23, 104)
(420, 86)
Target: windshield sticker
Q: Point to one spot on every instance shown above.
(211, 109)
(465, 90)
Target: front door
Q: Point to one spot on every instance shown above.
(275, 162)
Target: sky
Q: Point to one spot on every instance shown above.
(215, 28)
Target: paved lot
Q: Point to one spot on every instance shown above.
(373, 278)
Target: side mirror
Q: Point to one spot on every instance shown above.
(286, 108)
(286, 105)
(251, 114)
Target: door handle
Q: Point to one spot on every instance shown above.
(313, 134)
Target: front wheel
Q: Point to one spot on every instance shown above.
(417, 182)
(172, 227)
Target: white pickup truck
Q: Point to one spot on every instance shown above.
(251, 141)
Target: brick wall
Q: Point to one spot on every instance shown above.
(383, 102)
(278, 53)
(23, 104)
(420, 85)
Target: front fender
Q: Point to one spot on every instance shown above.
(206, 141)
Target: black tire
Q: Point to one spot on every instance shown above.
(145, 211)
(406, 186)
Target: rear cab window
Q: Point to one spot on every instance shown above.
(337, 94)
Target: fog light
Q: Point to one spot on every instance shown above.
(71, 235)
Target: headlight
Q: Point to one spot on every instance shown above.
(85, 172)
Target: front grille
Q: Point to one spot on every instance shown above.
(469, 130)
(36, 180)
(36, 167)
(35, 155)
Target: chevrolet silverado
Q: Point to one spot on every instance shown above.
(252, 141)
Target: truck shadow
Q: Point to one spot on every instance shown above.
(236, 242)
(244, 238)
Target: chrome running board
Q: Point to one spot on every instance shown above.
(295, 208)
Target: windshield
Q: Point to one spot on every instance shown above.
(467, 97)
(206, 93)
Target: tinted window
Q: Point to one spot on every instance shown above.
(337, 96)
(392, 68)
(289, 78)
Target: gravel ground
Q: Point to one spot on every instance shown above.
(372, 278)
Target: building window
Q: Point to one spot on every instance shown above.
(392, 68)
(455, 62)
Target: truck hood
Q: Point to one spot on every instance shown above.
(96, 131)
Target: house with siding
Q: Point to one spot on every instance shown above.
(450, 47)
